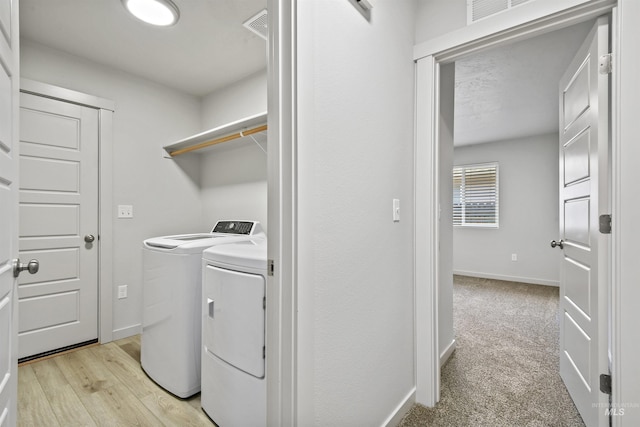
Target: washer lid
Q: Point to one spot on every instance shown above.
(191, 243)
(223, 232)
(246, 254)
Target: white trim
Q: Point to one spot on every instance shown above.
(616, 267)
(521, 279)
(625, 206)
(105, 233)
(401, 410)
(55, 92)
(516, 24)
(105, 109)
(426, 231)
(527, 19)
(127, 332)
(447, 353)
(282, 305)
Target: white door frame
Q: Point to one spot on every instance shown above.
(105, 109)
(281, 328)
(525, 21)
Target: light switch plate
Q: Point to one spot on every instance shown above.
(122, 291)
(125, 211)
(396, 210)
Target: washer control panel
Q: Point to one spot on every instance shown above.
(234, 227)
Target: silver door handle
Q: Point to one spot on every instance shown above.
(560, 244)
(89, 238)
(32, 267)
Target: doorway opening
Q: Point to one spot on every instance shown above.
(514, 252)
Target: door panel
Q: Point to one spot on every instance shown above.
(58, 207)
(61, 308)
(9, 83)
(36, 173)
(63, 264)
(583, 196)
(576, 159)
(39, 220)
(576, 94)
(40, 127)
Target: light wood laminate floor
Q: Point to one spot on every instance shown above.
(100, 386)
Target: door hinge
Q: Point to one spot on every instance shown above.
(264, 352)
(604, 64)
(605, 224)
(270, 267)
(264, 303)
(605, 383)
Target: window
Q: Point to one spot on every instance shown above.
(475, 195)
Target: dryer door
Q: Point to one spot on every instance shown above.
(233, 327)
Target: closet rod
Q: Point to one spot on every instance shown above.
(218, 140)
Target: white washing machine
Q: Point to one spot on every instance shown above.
(234, 389)
(172, 294)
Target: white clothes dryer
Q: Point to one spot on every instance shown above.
(234, 390)
(172, 293)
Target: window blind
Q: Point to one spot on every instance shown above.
(475, 195)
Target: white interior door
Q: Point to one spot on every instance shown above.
(58, 224)
(9, 82)
(584, 142)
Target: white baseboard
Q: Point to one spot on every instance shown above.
(448, 351)
(401, 410)
(532, 280)
(129, 331)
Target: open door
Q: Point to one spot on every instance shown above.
(584, 196)
(9, 83)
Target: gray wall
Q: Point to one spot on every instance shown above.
(165, 194)
(438, 17)
(244, 98)
(234, 175)
(355, 88)
(528, 171)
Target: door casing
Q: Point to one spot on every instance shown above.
(429, 57)
(105, 109)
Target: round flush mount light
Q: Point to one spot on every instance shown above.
(162, 13)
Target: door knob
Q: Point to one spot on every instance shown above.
(560, 244)
(32, 267)
(89, 238)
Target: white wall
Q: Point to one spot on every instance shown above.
(437, 17)
(165, 193)
(234, 183)
(234, 175)
(528, 213)
(244, 98)
(355, 91)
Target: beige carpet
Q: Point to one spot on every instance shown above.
(504, 371)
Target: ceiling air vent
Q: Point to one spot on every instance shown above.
(480, 9)
(258, 24)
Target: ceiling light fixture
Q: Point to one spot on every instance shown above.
(162, 13)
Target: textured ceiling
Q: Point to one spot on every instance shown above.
(206, 50)
(512, 91)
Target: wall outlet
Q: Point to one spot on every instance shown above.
(125, 211)
(514, 257)
(122, 291)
